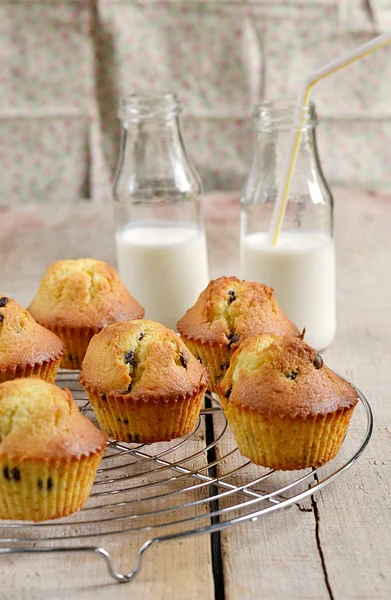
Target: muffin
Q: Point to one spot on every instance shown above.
(286, 408)
(49, 452)
(143, 383)
(227, 312)
(26, 348)
(78, 298)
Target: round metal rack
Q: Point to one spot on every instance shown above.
(196, 485)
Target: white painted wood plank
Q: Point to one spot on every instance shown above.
(281, 557)
(30, 239)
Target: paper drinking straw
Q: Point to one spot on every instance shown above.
(302, 101)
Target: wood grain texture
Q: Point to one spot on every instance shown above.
(336, 546)
(275, 557)
(31, 238)
(340, 550)
(167, 569)
(355, 514)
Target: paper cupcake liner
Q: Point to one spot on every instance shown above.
(215, 358)
(47, 371)
(145, 421)
(284, 443)
(38, 491)
(75, 342)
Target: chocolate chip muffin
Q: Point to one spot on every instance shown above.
(286, 408)
(227, 312)
(26, 348)
(143, 383)
(49, 452)
(78, 298)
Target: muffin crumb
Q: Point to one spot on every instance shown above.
(227, 312)
(78, 298)
(158, 398)
(44, 441)
(26, 348)
(284, 413)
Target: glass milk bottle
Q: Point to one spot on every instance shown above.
(160, 238)
(301, 268)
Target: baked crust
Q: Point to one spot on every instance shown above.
(23, 342)
(41, 422)
(283, 377)
(141, 360)
(83, 293)
(230, 310)
(49, 452)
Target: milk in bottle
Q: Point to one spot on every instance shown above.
(301, 268)
(161, 244)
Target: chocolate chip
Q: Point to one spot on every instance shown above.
(49, 484)
(1, 318)
(40, 484)
(3, 301)
(183, 360)
(140, 337)
(15, 474)
(318, 362)
(231, 296)
(228, 393)
(122, 420)
(292, 375)
(134, 438)
(103, 397)
(224, 366)
(233, 339)
(6, 473)
(129, 358)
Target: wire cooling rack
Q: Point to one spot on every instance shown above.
(199, 484)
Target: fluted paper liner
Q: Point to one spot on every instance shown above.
(285, 443)
(215, 358)
(145, 421)
(41, 490)
(46, 370)
(75, 342)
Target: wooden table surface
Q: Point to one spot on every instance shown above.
(336, 546)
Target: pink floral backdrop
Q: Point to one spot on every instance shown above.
(64, 63)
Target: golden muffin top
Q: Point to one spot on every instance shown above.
(22, 341)
(143, 359)
(230, 310)
(83, 293)
(285, 377)
(40, 421)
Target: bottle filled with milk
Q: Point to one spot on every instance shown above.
(301, 268)
(160, 238)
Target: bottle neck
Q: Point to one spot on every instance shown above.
(274, 124)
(154, 152)
(309, 204)
(270, 151)
(153, 163)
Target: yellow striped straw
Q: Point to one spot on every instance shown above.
(302, 101)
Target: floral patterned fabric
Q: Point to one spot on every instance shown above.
(64, 64)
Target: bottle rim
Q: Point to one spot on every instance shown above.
(147, 105)
(283, 115)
